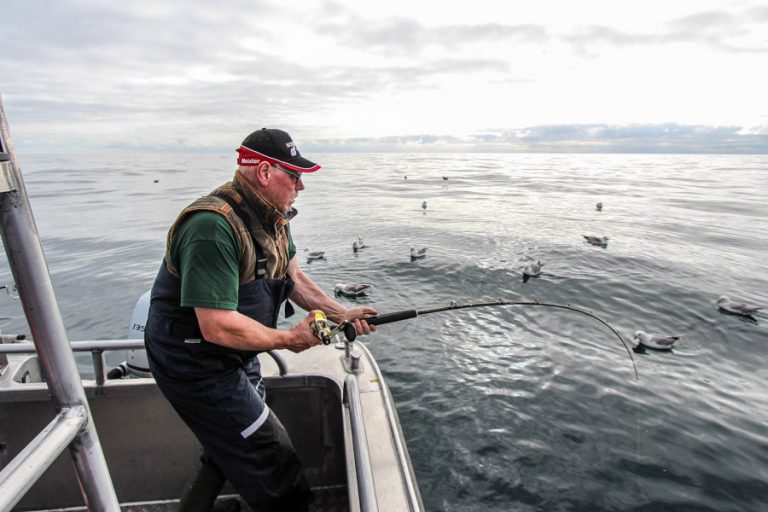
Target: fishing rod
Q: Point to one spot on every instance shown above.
(327, 332)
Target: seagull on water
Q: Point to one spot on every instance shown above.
(351, 289)
(418, 254)
(314, 255)
(424, 205)
(737, 308)
(602, 241)
(533, 269)
(655, 341)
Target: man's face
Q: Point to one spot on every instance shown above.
(284, 187)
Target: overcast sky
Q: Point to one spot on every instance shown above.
(560, 75)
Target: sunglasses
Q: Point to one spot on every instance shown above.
(295, 176)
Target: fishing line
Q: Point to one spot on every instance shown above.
(398, 316)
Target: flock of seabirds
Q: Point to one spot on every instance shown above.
(534, 269)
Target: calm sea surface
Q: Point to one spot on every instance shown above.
(508, 408)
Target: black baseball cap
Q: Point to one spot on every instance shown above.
(275, 147)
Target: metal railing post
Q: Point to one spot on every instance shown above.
(30, 272)
(29, 465)
(360, 447)
(99, 366)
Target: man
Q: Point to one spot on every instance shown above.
(229, 266)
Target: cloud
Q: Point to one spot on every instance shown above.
(705, 21)
(653, 138)
(719, 30)
(572, 138)
(152, 74)
(758, 13)
(399, 35)
(402, 35)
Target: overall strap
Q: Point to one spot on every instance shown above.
(261, 262)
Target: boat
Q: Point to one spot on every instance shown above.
(110, 441)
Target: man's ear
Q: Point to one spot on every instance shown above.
(263, 173)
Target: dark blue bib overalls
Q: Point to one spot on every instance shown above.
(219, 393)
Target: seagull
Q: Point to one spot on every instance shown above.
(350, 289)
(315, 255)
(602, 241)
(418, 254)
(655, 341)
(737, 308)
(533, 269)
(424, 205)
(599, 207)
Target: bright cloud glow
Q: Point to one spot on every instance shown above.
(193, 75)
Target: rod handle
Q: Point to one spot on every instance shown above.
(391, 317)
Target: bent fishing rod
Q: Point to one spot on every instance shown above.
(325, 332)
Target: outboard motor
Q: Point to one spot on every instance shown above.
(137, 364)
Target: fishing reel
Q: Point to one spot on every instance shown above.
(325, 332)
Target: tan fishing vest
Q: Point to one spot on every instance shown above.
(269, 229)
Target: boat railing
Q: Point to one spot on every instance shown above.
(406, 470)
(72, 426)
(363, 471)
(97, 348)
(29, 465)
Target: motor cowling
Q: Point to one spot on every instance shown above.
(137, 363)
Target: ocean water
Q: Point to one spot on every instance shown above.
(503, 408)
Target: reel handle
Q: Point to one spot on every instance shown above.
(349, 331)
